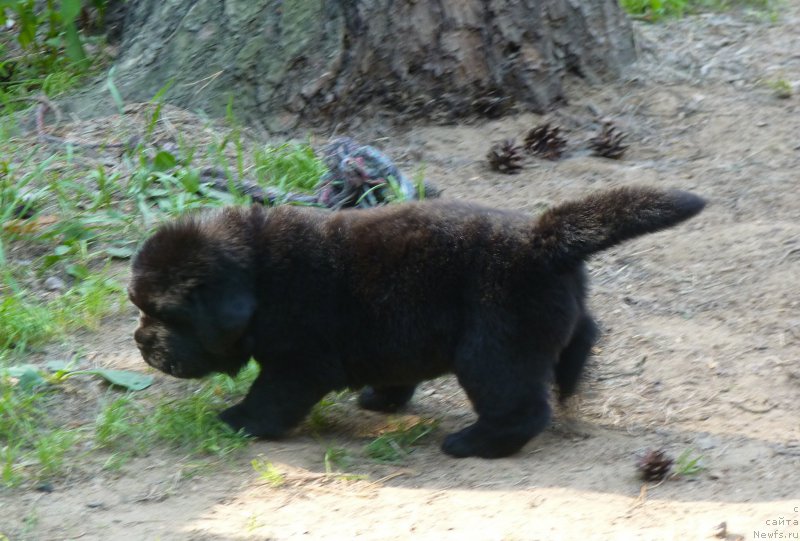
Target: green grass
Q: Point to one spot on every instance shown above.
(32, 446)
(655, 10)
(24, 322)
(396, 445)
(189, 423)
(322, 414)
(27, 321)
(43, 52)
(689, 463)
(69, 216)
(337, 459)
(290, 167)
(192, 424)
(78, 220)
(74, 224)
(34, 75)
(51, 450)
(267, 471)
(117, 424)
(781, 88)
(35, 446)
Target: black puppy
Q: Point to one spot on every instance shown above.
(387, 298)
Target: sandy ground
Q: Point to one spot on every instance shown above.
(700, 347)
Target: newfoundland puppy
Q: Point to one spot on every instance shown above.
(385, 298)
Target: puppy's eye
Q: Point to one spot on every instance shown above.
(138, 300)
(174, 315)
(132, 297)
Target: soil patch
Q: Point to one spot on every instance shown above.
(699, 350)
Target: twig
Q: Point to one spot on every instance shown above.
(46, 138)
(390, 477)
(45, 105)
(640, 500)
(786, 450)
(619, 375)
(270, 196)
(205, 80)
(788, 254)
(742, 406)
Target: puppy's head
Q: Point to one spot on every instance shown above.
(193, 283)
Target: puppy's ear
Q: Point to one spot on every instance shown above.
(234, 313)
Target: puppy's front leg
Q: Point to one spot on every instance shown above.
(387, 399)
(274, 405)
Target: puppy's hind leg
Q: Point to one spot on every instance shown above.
(275, 404)
(573, 358)
(510, 397)
(387, 399)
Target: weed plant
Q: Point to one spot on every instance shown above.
(189, 423)
(655, 10)
(290, 167)
(267, 471)
(42, 50)
(396, 445)
(78, 220)
(35, 446)
(689, 463)
(32, 446)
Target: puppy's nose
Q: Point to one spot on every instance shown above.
(142, 339)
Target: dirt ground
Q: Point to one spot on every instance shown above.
(700, 344)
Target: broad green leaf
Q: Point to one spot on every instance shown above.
(164, 160)
(190, 181)
(19, 370)
(26, 22)
(81, 272)
(120, 252)
(28, 376)
(31, 379)
(60, 370)
(56, 366)
(130, 380)
(74, 47)
(114, 91)
(70, 10)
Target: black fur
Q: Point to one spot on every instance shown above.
(385, 298)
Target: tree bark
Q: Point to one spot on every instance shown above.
(287, 63)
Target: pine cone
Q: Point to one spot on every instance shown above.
(505, 157)
(608, 143)
(545, 141)
(655, 465)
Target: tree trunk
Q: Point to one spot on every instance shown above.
(287, 63)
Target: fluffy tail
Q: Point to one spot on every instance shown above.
(571, 232)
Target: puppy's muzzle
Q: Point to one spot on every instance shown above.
(146, 342)
(143, 339)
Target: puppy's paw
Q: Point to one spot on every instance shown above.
(236, 418)
(385, 399)
(459, 445)
(473, 441)
(240, 419)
